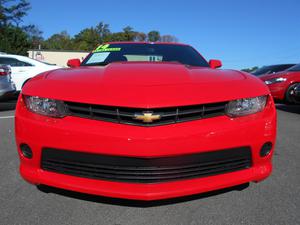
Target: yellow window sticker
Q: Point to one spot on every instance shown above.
(106, 48)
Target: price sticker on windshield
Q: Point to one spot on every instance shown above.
(106, 48)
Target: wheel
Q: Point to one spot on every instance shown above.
(289, 95)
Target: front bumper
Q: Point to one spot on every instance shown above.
(84, 135)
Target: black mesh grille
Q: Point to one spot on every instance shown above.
(145, 170)
(127, 115)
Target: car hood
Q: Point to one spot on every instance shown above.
(145, 85)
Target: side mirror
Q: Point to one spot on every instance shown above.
(73, 63)
(215, 63)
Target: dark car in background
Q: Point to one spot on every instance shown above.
(283, 85)
(271, 69)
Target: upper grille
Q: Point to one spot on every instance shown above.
(126, 115)
(145, 170)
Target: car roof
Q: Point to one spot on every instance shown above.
(145, 42)
(24, 58)
(283, 64)
(20, 57)
(15, 56)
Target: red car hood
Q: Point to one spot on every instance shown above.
(145, 85)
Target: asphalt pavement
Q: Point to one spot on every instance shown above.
(274, 201)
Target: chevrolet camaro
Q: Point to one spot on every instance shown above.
(145, 121)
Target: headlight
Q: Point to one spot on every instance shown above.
(246, 106)
(275, 80)
(45, 106)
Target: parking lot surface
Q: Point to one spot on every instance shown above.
(273, 201)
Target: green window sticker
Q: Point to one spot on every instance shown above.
(106, 48)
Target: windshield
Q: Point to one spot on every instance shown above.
(295, 68)
(109, 53)
(271, 69)
(262, 70)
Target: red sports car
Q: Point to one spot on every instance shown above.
(145, 121)
(282, 85)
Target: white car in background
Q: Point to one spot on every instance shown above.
(24, 68)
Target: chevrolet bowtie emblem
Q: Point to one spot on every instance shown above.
(146, 117)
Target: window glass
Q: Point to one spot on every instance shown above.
(295, 68)
(13, 62)
(271, 69)
(137, 52)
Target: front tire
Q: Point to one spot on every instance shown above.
(289, 97)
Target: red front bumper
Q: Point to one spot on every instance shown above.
(100, 137)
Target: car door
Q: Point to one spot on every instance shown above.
(20, 70)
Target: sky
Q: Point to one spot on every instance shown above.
(241, 33)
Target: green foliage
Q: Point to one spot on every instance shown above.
(140, 36)
(34, 36)
(59, 41)
(17, 40)
(129, 34)
(88, 38)
(118, 36)
(12, 14)
(103, 32)
(168, 38)
(153, 36)
(13, 40)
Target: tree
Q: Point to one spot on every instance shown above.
(129, 34)
(118, 36)
(87, 39)
(103, 32)
(13, 14)
(34, 36)
(17, 40)
(153, 36)
(60, 41)
(13, 40)
(168, 38)
(140, 36)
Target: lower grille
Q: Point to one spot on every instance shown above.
(145, 170)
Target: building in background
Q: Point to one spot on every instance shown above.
(58, 57)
